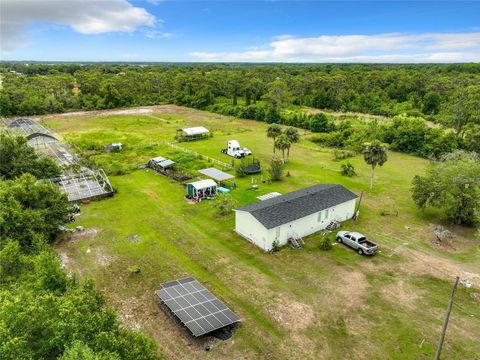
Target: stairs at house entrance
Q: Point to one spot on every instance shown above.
(296, 243)
(334, 225)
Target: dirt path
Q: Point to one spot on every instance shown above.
(142, 110)
(425, 263)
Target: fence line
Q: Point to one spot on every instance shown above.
(215, 161)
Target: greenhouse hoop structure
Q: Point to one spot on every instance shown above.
(80, 184)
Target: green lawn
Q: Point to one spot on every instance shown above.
(293, 304)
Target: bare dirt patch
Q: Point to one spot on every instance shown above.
(132, 111)
(351, 285)
(142, 110)
(402, 294)
(64, 260)
(102, 259)
(293, 315)
(87, 234)
(150, 193)
(127, 312)
(426, 264)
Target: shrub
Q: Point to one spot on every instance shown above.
(348, 169)
(241, 170)
(117, 168)
(342, 154)
(275, 246)
(325, 243)
(276, 169)
(320, 123)
(224, 203)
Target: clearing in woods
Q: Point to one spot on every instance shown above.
(303, 304)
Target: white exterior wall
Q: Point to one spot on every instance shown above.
(250, 228)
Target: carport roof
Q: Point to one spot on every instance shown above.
(216, 174)
(198, 130)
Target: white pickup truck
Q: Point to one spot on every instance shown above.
(357, 241)
(233, 149)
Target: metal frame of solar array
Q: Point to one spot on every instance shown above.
(196, 307)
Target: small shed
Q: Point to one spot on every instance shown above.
(116, 146)
(201, 189)
(216, 174)
(157, 159)
(160, 163)
(166, 164)
(193, 133)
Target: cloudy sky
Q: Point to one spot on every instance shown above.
(245, 31)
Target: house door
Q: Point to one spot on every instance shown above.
(290, 233)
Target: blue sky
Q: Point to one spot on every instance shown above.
(257, 31)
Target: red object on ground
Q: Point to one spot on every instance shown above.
(85, 202)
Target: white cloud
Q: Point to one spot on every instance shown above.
(391, 47)
(85, 17)
(154, 34)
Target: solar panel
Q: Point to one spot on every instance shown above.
(196, 307)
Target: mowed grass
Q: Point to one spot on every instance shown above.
(293, 304)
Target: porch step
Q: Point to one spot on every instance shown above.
(296, 243)
(334, 225)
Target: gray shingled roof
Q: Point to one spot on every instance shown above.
(298, 204)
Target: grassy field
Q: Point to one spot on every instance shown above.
(303, 304)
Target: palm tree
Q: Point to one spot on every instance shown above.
(282, 143)
(293, 137)
(273, 130)
(374, 153)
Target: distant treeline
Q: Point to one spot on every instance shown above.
(445, 94)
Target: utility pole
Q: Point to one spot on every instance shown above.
(357, 210)
(445, 323)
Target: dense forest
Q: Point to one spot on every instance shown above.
(448, 95)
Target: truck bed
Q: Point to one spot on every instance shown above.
(366, 243)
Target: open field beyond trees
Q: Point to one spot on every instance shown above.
(294, 304)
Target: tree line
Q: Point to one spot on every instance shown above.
(447, 94)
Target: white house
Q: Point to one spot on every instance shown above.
(294, 215)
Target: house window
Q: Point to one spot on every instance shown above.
(278, 232)
(326, 214)
(319, 216)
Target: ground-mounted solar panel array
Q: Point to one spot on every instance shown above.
(196, 307)
(79, 184)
